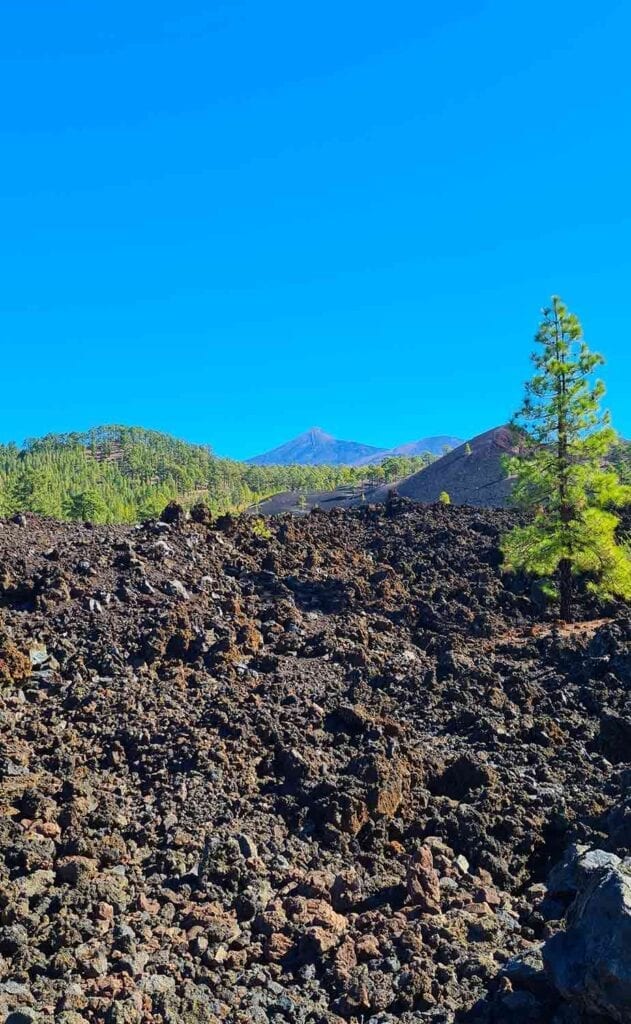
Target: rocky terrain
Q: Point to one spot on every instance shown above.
(310, 770)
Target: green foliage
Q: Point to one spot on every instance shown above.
(395, 467)
(467, 449)
(126, 474)
(86, 505)
(561, 473)
(261, 529)
(444, 498)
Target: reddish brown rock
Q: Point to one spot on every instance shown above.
(346, 958)
(276, 946)
(422, 882)
(367, 947)
(15, 664)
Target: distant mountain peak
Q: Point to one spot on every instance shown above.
(315, 447)
(316, 434)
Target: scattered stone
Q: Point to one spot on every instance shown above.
(590, 962)
(579, 863)
(173, 513)
(177, 589)
(422, 882)
(311, 774)
(15, 665)
(615, 737)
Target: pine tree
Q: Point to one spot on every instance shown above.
(86, 505)
(561, 476)
(444, 498)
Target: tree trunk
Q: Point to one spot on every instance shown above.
(566, 512)
(565, 589)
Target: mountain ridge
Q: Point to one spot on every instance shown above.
(316, 447)
(113, 473)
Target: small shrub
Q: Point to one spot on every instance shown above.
(444, 498)
(261, 529)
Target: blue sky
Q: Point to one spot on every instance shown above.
(233, 221)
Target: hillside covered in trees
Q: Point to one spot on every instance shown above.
(126, 474)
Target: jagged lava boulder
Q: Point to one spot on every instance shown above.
(590, 962)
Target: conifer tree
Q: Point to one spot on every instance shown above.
(86, 505)
(561, 475)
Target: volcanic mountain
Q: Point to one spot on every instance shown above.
(433, 445)
(471, 474)
(437, 445)
(317, 448)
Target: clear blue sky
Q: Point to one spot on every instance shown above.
(235, 220)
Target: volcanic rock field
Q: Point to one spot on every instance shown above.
(306, 770)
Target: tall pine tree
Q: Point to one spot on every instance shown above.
(561, 475)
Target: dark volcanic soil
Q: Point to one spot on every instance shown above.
(471, 474)
(316, 777)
